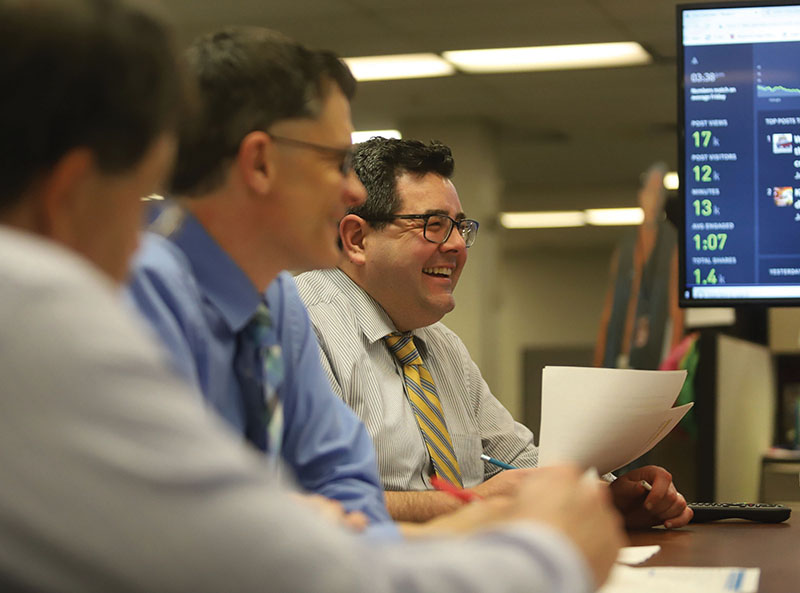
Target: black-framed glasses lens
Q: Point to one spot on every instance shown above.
(469, 231)
(438, 229)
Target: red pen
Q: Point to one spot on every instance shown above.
(444, 486)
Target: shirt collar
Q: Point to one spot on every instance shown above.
(374, 321)
(224, 283)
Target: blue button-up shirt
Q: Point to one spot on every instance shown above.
(198, 300)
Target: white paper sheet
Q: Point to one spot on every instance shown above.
(636, 554)
(606, 418)
(681, 579)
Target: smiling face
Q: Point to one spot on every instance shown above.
(412, 278)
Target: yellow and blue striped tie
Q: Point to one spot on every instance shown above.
(427, 408)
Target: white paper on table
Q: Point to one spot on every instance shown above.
(681, 579)
(636, 554)
(606, 418)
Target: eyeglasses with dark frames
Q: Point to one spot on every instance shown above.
(345, 154)
(438, 227)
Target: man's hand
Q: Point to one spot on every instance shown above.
(556, 497)
(642, 509)
(579, 509)
(333, 511)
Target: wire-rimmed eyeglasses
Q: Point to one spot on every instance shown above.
(345, 154)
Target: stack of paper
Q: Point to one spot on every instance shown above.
(606, 418)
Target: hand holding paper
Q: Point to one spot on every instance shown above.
(643, 508)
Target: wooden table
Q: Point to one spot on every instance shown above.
(774, 548)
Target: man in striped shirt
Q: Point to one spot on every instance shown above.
(114, 477)
(403, 251)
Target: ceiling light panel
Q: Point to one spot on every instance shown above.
(398, 66)
(542, 220)
(614, 216)
(549, 57)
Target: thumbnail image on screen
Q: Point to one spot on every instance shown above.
(739, 121)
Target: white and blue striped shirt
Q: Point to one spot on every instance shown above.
(350, 326)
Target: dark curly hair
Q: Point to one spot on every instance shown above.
(379, 161)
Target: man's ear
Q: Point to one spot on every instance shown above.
(352, 230)
(62, 198)
(255, 161)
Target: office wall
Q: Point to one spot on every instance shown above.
(784, 329)
(745, 417)
(552, 300)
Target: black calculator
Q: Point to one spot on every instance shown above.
(752, 511)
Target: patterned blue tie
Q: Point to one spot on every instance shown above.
(270, 362)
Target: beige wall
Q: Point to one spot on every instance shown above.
(784, 329)
(552, 300)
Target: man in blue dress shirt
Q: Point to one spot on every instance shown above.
(115, 477)
(262, 178)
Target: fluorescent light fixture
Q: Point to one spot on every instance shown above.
(549, 57)
(542, 220)
(614, 216)
(363, 136)
(572, 218)
(152, 198)
(671, 180)
(398, 66)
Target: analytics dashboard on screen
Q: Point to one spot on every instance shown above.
(739, 122)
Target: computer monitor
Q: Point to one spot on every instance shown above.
(739, 153)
